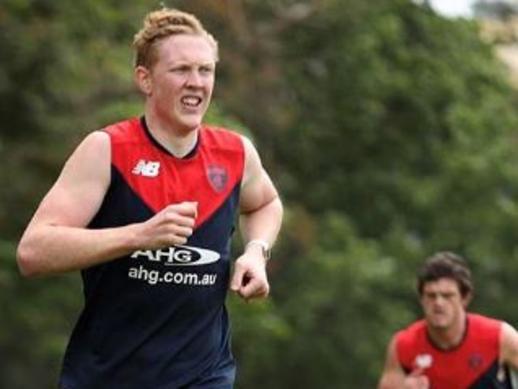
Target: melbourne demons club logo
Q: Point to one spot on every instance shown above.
(218, 177)
(475, 361)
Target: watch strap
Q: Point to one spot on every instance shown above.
(265, 247)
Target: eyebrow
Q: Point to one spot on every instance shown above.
(188, 63)
(448, 293)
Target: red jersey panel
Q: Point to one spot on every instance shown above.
(160, 179)
(459, 368)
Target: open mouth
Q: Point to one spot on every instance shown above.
(191, 101)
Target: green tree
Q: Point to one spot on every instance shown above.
(398, 125)
(388, 129)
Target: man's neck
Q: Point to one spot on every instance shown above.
(178, 143)
(451, 337)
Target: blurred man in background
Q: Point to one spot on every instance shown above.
(450, 348)
(145, 208)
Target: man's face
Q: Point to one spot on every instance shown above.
(442, 303)
(181, 81)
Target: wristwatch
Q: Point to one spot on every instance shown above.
(265, 247)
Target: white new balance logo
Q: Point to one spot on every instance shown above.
(146, 169)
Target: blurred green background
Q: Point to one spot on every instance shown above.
(391, 132)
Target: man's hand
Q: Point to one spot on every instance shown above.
(250, 280)
(416, 380)
(173, 225)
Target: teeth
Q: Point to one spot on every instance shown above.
(192, 101)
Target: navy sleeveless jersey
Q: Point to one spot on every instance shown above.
(156, 319)
(471, 365)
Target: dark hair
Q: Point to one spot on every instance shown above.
(446, 264)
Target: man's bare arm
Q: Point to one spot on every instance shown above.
(394, 377)
(509, 346)
(261, 218)
(56, 239)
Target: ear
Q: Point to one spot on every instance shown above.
(142, 77)
(467, 299)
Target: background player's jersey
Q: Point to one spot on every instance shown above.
(156, 319)
(471, 365)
